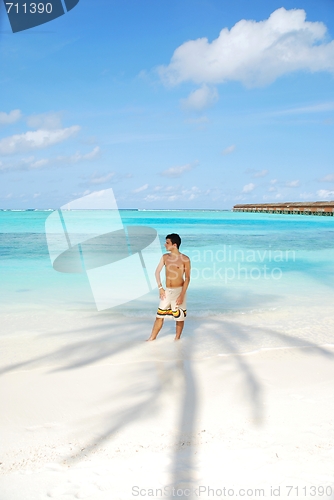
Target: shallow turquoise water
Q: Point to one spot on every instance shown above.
(240, 262)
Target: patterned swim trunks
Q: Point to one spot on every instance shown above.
(168, 306)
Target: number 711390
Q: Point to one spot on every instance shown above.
(32, 8)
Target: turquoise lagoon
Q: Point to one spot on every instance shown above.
(242, 264)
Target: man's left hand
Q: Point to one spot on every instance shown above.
(179, 300)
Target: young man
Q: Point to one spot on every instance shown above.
(173, 298)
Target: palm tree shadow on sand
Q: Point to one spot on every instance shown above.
(184, 470)
(124, 340)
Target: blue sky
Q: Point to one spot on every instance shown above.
(173, 104)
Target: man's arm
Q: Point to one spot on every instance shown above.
(157, 277)
(187, 269)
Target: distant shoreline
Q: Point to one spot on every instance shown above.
(121, 209)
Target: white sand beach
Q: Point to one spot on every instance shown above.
(90, 410)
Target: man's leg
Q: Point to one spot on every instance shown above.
(179, 328)
(156, 328)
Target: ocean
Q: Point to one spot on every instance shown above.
(277, 269)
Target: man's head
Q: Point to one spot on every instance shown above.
(172, 240)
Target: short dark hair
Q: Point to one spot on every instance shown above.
(174, 238)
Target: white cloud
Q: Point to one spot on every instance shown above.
(38, 139)
(173, 193)
(93, 154)
(229, 150)
(248, 188)
(22, 164)
(306, 196)
(273, 181)
(45, 121)
(328, 178)
(11, 117)
(276, 197)
(198, 121)
(102, 179)
(153, 197)
(31, 163)
(80, 157)
(201, 98)
(192, 193)
(293, 184)
(254, 53)
(177, 171)
(260, 173)
(39, 163)
(128, 138)
(314, 108)
(141, 188)
(75, 158)
(325, 194)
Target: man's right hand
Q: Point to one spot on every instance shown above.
(162, 293)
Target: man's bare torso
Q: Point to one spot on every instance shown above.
(174, 265)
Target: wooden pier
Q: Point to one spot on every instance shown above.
(296, 208)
